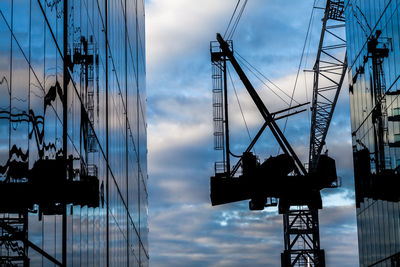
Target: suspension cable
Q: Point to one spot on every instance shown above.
(248, 65)
(240, 106)
(230, 36)
(263, 82)
(305, 65)
(301, 61)
(233, 15)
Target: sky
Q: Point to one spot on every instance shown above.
(185, 230)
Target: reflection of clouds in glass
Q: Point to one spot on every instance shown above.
(373, 130)
(37, 112)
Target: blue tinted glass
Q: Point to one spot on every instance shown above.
(91, 72)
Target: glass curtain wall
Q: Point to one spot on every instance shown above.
(373, 50)
(72, 88)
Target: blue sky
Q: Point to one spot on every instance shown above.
(184, 229)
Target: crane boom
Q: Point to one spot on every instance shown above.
(329, 71)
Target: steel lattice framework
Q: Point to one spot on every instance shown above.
(302, 244)
(329, 71)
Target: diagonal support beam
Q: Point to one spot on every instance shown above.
(280, 138)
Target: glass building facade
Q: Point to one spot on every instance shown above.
(373, 52)
(73, 151)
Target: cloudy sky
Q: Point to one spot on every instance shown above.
(184, 229)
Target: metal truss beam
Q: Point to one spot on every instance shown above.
(329, 71)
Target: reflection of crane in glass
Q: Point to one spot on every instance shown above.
(283, 177)
(16, 179)
(85, 55)
(377, 52)
(375, 176)
(48, 184)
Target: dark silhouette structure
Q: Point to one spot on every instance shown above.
(282, 177)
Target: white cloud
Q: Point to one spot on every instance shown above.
(179, 28)
(247, 238)
(338, 198)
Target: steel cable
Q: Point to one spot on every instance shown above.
(233, 15)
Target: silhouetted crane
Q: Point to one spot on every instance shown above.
(283, 177)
